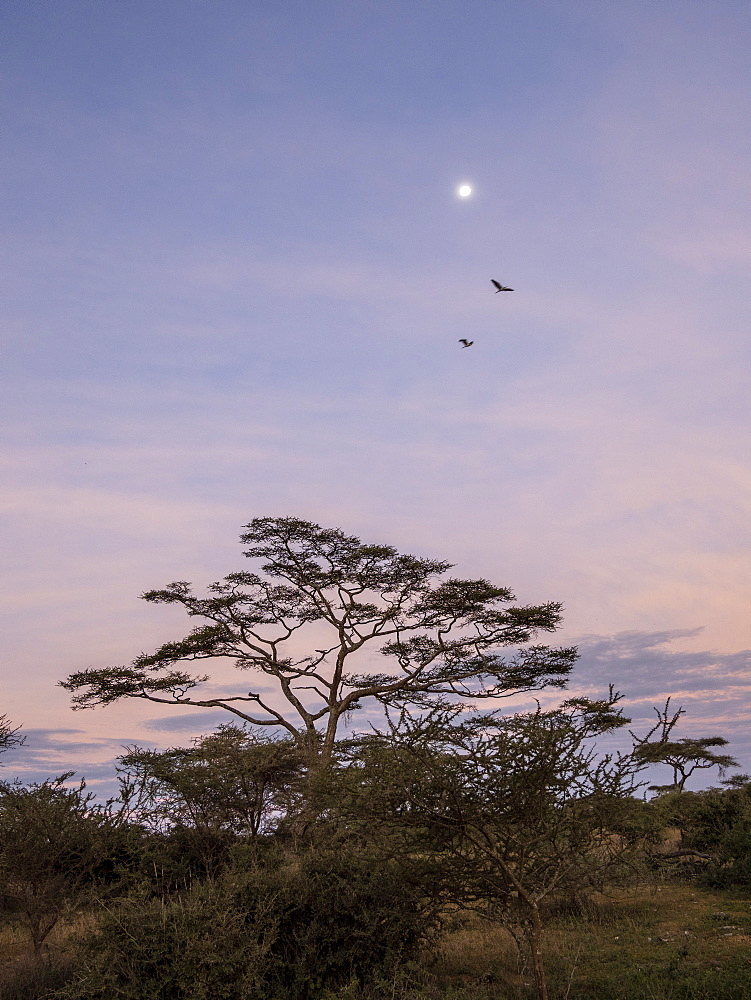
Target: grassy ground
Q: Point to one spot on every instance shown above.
(22, 977)
(674, 942)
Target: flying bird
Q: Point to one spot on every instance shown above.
(466, 343)
(499, 287)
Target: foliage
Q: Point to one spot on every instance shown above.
(194, 946)
(229, 784)
(669, 942)
(439, 637)
(346, 911)
(9, 736)
(715, 824)
(305, 866)
(684, 756)
(335, 882)
(287, 928)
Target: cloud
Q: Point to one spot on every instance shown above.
(714, 688)
(645, 659)
(48, 753)
(191, 721)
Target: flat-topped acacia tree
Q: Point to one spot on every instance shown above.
(439, 637)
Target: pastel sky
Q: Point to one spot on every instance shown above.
(235, 271)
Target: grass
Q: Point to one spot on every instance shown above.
(674, 942)
(25, 977)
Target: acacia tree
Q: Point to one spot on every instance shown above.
(53, 842)
(440, 637)
(517, 812)
(230, 784)
(684, 756)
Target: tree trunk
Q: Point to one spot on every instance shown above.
(534, 940)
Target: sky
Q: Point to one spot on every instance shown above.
(235, 273)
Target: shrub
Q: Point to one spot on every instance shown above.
(285, 927)
(56, 850)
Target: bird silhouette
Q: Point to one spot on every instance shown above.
(499, 287)
(466, 343)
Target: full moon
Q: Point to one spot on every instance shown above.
(465, 191)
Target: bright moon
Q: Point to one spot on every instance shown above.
(465, 191)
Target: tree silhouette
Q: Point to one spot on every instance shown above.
(684, 756)
(438, 638)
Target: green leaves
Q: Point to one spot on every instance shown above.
(9, 736)
(109, 684)
(228, 782)
(53, 844)
(684, 756)
(310, 556)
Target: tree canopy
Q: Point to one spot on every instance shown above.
(227, 782)
(304, 623)
(53, 842)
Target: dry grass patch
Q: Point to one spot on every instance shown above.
(14, 943)
(475, 951)
(25, 976)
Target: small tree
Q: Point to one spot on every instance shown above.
(229, 784)
(440, 637)
(52, 844)
(684, 756)
(715, 830)
(518, 811)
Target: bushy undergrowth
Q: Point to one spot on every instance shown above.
(285, 928)
(717, 823)
(256, 936)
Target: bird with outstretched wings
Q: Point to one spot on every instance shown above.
(499, 287)
(465, 343)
